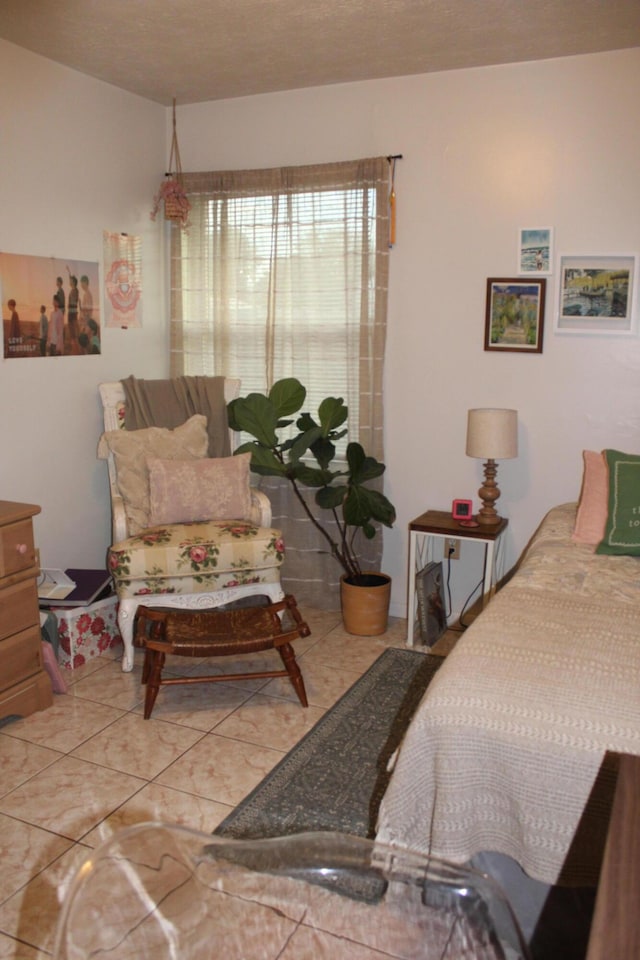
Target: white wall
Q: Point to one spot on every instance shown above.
(487, 151)
(76, 157)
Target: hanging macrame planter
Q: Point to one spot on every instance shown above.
(172, 192)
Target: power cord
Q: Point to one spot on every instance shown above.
(462, 625)
(449, 610)
(466, 604)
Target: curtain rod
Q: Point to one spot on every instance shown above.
(390, 157)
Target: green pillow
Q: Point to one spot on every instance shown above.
(622, 531)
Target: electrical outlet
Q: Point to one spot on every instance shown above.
(452, 549)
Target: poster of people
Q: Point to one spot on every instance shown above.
(50, 307)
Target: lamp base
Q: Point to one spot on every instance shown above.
(489, 493)
(488, 519)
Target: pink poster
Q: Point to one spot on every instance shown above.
(123, 280)
(50, 307)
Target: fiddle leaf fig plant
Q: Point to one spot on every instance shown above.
(307, 459)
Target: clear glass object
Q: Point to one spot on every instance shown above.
(169, 893)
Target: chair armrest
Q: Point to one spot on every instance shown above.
(119, 530)
(260, 508)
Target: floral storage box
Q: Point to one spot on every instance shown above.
(86, 632)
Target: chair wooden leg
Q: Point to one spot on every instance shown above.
(287, 653)
(153, 681)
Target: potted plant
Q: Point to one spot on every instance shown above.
(308, 461)
(172, 193)
(176, 202)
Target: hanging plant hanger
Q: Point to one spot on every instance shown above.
(172, 192)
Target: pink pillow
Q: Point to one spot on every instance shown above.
(591, 517)
(181, 491)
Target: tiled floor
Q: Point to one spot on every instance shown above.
(90, 764)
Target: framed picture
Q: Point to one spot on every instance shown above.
(596, 294)
(515, 315)
(535, 250)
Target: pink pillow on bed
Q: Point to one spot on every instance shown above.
(591, 517)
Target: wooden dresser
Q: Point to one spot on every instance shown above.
(24, 685)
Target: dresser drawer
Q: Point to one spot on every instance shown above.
(18, 608)
(26, 697)
(17, 550)
(21, 656)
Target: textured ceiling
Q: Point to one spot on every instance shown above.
(197, 50)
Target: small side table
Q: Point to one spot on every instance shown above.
(440, 525)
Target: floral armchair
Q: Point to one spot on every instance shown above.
(187, 530)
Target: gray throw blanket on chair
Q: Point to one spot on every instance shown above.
(169, 403)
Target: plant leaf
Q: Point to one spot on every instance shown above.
(333, 412)
(305, 422)
(263, 460)
(329, 498)
(303, 442)
(323, 450)
(255, 414)
(361, 467)
(287, 396)
(312, 477)
(363, 505)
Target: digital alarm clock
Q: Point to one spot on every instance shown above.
(462, 510)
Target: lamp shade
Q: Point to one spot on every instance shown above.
(492, 434)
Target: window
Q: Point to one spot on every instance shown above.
(283, 273)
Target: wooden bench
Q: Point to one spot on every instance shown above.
(218, 633)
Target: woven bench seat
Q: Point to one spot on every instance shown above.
(218, 633)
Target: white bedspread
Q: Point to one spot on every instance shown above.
(506, 750)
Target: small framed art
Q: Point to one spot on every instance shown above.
(535, 250)
(597, 294)
(514, 319)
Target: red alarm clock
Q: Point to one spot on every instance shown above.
(462, 511)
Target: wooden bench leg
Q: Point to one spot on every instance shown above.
(154, 679)
(146, 667)
(287, 653)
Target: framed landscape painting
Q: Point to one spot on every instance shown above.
(514, 320)
(597, 294)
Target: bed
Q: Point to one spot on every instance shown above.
(514, 747)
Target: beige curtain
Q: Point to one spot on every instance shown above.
(284, 272)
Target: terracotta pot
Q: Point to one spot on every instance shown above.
(365, 604)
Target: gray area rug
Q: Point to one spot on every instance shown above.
(335, 777)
